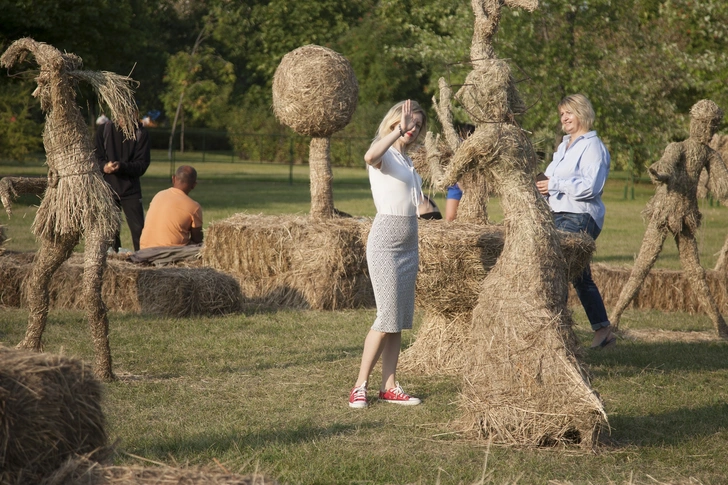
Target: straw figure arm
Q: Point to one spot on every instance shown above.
(463, 160)
(13, 187)
(666, 168)
(444, 114)
(717, 175)
(116, 92)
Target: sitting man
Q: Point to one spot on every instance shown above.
(173, 228)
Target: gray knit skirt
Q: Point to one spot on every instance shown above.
(393, 260)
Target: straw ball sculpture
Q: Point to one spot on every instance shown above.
(315, 93)
(50, 410)
(77, 202)
(522, 383)
(674, 210)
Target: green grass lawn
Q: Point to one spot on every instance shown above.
(267, 391)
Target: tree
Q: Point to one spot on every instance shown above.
(199, 85)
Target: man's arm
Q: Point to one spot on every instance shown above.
(196, 235)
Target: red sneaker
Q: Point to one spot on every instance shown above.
(358, 397)
(396, 395)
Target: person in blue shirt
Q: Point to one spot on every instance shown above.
(573, 184)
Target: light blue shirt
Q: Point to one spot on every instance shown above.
(577, 176)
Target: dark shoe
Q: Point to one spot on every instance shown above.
(609, 341)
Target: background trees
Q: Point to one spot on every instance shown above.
(643, 63)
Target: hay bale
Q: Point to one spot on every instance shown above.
(293, 261)
(50, 410)
(664, 290)
(315, 91)
(82, 471)
(169, 291)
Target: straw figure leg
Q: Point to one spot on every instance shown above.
(322, 196)
(690, 260)
(721, 266)
(649, 251)
(93, 271)
(48, 259)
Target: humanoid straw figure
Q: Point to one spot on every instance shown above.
(674, 209)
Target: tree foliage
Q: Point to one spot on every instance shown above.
(642, 63)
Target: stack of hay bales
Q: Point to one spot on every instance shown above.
(454, 260)
(293, 261)
(49, 411)
(171, 292)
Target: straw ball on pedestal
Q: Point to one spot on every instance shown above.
(314, 91)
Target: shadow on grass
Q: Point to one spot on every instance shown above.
(629, 359)
(670, 428)
(234, 442)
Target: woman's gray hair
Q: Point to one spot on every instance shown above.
(581, 107)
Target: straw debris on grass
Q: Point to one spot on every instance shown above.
(82, 471)
(127, 287)
(50, 410)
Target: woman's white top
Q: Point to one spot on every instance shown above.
(396, 186)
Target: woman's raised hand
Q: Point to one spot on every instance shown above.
(407, 122)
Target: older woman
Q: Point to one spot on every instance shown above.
(392, 248)
(574, 182)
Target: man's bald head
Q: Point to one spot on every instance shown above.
(185, 179)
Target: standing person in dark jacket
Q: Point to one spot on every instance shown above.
(122, 162)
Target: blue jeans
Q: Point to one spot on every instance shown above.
(584, 285)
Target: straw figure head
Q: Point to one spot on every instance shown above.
(489, 94)
(705, 118)
(314, 91)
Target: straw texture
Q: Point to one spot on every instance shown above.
(127, 287)
(522, 380)
(50, 409)
(674, 210)
(77, 202)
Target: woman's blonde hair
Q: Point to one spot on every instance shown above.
(394, 116)
(581, 107)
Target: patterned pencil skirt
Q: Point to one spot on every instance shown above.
(393, 260)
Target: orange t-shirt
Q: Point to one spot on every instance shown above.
(171, 215)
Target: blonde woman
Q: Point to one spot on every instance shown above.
(392, 252)
(574, 182)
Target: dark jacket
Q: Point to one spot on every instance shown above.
(133, 157)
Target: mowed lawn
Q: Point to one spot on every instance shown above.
(267, 391)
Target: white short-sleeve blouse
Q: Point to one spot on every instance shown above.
(396, 186)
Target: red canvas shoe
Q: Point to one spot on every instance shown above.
(396, 395)
(358, 397)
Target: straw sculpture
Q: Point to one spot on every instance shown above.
(50, 410)
(674, 209)
(12, 187)
(169, 292)
(293, 261)
(719, 143)
(315, 93)
(454, 260)
(523, 383)
(77, 202)
(84, 471)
